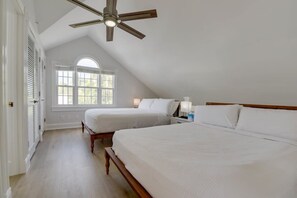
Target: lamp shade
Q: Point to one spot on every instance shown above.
(187, 98)
(136, 102)
(185, 106)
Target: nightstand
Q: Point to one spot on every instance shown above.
(177, 120)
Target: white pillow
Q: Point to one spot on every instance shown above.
(277, 123)
(173, 108)
(162, 105)
(146, 103)
(219, 115)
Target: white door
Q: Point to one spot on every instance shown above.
(33, 97)
(4, 184)
(12, 86)
(15, 83)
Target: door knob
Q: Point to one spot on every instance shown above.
(10, 104)
(35, 101)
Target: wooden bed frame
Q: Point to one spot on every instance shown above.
(94, 136)
(136, 186)
(256, 106)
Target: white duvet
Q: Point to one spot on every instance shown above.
(109, 120)
(192, 160)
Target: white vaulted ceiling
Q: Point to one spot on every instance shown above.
(210, 50)
(50, 11)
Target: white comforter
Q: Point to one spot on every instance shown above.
(109, 120)
(191, 160)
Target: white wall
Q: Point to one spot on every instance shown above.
(210, 50)
(214, 50)
(31, 14)
(128, 86)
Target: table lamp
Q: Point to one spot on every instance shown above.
(186, 107)
(136, 102)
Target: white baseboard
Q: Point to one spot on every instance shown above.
(9, 193)
(27, 162)
(62, 126)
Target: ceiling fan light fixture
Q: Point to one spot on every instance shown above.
(112, 19)
(110, 22)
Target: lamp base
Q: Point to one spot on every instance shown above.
(184, 117)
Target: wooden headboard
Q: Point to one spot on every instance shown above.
(176, 113)
(256, 105)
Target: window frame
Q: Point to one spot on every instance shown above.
(98, 88)
(107, 88)
(75, 106)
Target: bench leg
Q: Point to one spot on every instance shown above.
(92, 143)
(82, 127)
(107, 164)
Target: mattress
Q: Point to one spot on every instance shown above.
(109, 120)
(194, 160)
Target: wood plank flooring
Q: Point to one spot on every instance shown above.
(64, 167)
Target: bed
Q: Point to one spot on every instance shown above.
(102, 123)
(203, 160)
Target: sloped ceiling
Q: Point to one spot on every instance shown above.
(210, 50)
(48, 12)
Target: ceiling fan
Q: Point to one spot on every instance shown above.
(112, 19)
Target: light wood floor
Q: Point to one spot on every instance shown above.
(63, 166)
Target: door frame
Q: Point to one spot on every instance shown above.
(42, 102)
(22, 134)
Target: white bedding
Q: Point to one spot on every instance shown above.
(194, 160)
(109, 120)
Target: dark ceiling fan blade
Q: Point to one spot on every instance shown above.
(138, 15)
(109, 33)
(131, 30)
(84, 6)
(111, 5)
(87, 23)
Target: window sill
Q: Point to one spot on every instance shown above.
(79, 108)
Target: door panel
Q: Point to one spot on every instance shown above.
(33, 97)
(31, 93)
(36, 98)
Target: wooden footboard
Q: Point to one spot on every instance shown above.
(94, 136)
(261, 106)
(136, 186)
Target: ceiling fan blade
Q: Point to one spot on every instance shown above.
(109, 33)
(84, 6)
(131, 30)
(138, 15)
(87, 23)
(111, 5)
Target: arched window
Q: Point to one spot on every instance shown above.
(86, 84)
(88, 62)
